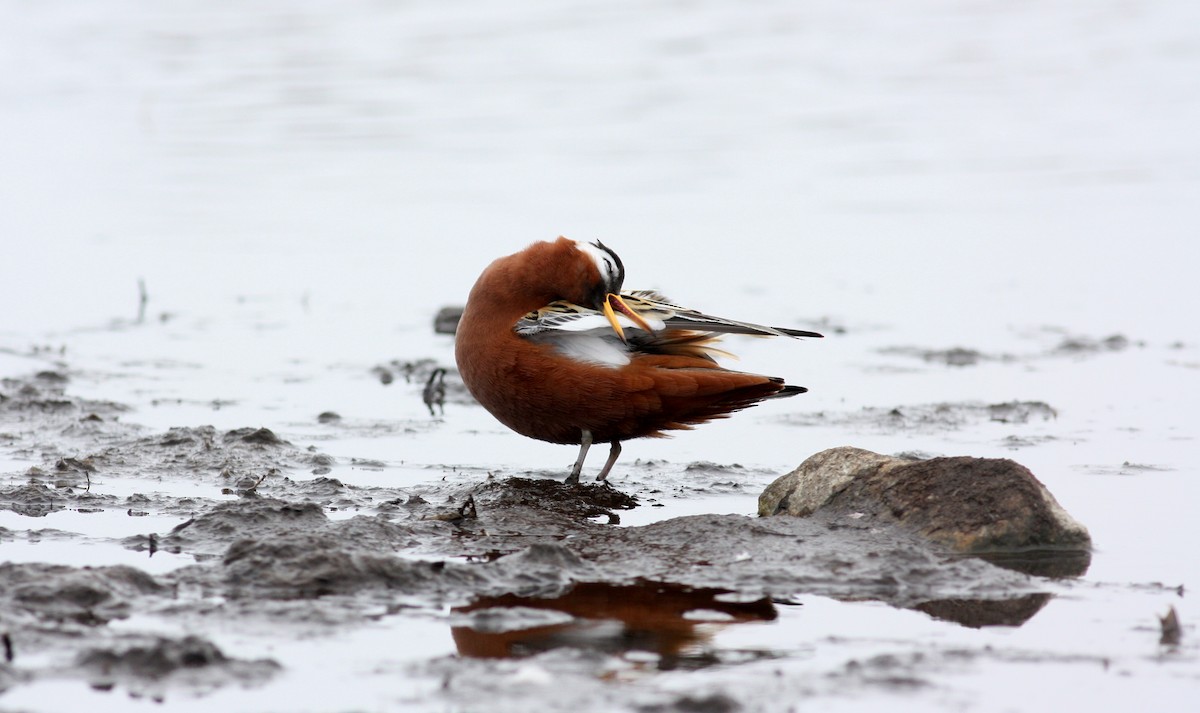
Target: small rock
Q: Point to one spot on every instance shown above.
(970, 505)
(446, 320)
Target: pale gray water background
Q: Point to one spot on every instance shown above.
(302, 185)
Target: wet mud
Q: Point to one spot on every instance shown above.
(526, 566)
(152, 667)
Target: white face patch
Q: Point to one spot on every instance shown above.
(606, 263)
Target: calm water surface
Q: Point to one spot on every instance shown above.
(302, 185)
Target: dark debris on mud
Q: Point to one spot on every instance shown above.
(438, 384)
(954, 356)
(1075, 345)
(930, 418)
(1066, 345)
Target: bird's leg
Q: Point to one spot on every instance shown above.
(585, 442)
(614, 452)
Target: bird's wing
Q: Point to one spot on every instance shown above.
(586, 334)
(577, 332)
(654, 307)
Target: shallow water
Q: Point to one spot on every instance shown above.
(301, 187)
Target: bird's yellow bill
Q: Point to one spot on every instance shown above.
(613, 304)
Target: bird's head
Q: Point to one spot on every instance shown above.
(604, 294)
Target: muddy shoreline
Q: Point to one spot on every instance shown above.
(529, 569)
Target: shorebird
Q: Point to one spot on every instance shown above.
(551, 346)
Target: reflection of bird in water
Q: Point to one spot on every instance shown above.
(435, 391)
(550, 346)
(670, 620)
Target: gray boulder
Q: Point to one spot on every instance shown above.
(969, 505)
